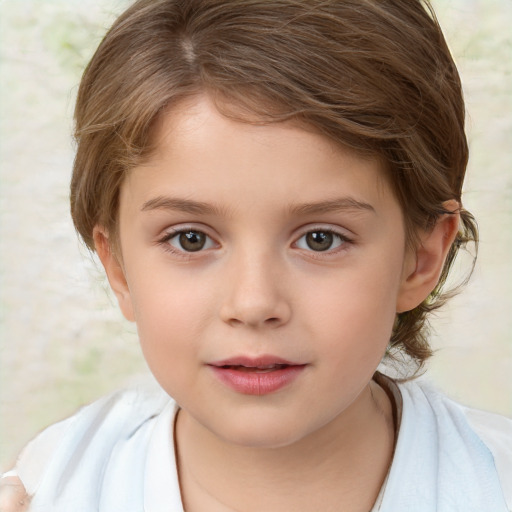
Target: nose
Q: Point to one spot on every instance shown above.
(255, 293)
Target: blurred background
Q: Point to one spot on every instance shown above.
(64, 343)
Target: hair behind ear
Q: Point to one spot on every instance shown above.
(409, 332)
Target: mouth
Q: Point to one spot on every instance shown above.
(254, 369)
(265, 363)
(257, 376)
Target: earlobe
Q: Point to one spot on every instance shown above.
(114, 270)
(423, 267)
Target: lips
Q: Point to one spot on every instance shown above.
(256, 376)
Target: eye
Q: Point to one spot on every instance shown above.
(189, 240)
(320, 240)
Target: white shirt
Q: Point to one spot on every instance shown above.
(117, 455)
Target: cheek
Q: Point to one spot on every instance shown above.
(352, 333)
(171, 314)
(166, 296)
(355, 311)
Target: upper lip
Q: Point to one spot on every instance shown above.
(265, 361)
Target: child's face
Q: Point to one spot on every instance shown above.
(295, 255)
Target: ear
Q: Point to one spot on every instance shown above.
(423, 266)
(114, 270)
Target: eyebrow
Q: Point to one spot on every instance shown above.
(183, 205)
(333, 205)
(201, 208)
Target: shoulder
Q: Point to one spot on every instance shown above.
(89, 436)
(477, 430)
(495, 431)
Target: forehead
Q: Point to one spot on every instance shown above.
(200, 153)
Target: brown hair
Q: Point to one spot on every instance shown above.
(373, 75)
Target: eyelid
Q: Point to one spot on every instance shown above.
(184, 227)
(328, 228)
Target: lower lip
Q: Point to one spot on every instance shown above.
(254, 383)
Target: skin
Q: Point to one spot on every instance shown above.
(325, 441)
(13, 497)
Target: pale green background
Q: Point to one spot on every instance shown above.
(63, 342)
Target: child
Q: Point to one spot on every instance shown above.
(274, 190)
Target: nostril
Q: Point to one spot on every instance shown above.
(235, 322)
(269, 313)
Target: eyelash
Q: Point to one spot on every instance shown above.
(343, 240)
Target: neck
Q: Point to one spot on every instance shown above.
(339, 467)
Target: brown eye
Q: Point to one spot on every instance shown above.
(192, 241)
(319, 240)
(188, 240)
